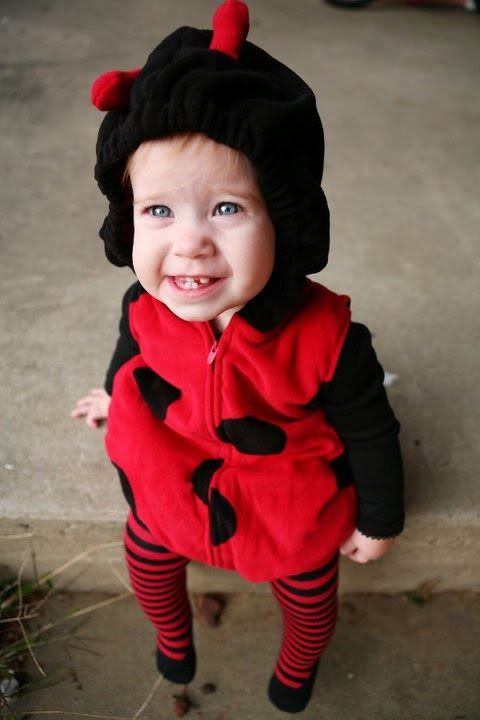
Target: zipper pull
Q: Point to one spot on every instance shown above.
(212, 353)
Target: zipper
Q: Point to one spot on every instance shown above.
(214, 556)
(211, 380)
(212, 353)
(211, 374)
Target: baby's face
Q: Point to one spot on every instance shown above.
(204, 243)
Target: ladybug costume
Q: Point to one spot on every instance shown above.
(260, 450)
(246, 473)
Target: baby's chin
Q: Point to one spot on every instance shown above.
(192, 313)
(219, 319)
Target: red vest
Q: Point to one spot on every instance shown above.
(219, 452)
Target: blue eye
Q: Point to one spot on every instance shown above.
(227, 208)
(160, 211)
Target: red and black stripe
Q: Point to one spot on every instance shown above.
(308, 603)
(158, 579)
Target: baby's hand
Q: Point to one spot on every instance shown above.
(94, 407)
(362, 549)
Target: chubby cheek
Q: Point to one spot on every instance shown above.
(261, 258)
(147, 262)
(140, 266)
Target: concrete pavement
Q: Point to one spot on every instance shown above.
(390, 659)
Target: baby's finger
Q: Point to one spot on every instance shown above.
(348, 547)
(97, 391)
(95, 417)
(87, 400)
(78, 412)
(82, 408)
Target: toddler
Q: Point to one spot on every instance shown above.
(247, 417)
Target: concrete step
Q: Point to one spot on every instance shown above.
(85, 555)
(398, 103)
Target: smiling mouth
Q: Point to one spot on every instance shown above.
(191, 283)
(193, 287)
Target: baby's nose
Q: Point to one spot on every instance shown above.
(193, 242)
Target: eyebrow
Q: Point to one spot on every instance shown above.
(163, 195)
(239, 193)
(146, 199)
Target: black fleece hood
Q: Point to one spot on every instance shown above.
(252, 103)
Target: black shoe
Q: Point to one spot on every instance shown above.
(290, 699)
(180, 672)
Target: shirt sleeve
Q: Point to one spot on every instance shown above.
(126, 346)
(357, 406)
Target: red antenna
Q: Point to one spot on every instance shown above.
(230, 27)
(111, 90)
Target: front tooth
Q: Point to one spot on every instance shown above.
(192, 282)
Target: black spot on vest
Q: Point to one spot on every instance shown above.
(202, 477)
(252, 436)
(157, 392)
(343, 472)
(223, 519)
(128, 493)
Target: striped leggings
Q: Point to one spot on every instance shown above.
(308, 603)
